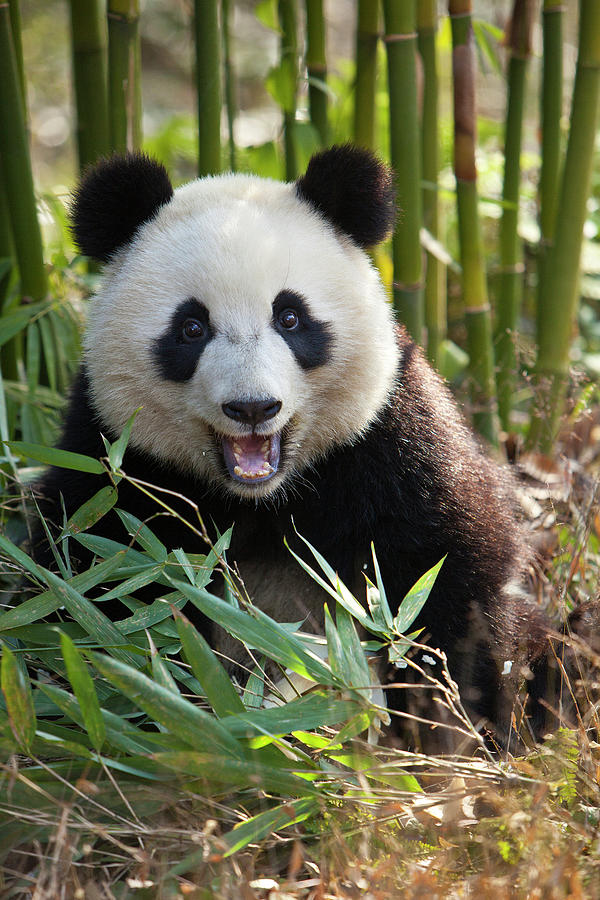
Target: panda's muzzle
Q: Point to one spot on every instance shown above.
(252, 458)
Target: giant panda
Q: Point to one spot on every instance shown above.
(245, 319)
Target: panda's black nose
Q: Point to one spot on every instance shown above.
(252, 412)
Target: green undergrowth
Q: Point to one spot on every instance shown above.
(135, 763)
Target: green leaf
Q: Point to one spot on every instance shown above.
(13, 323)
(16, 688)
(338, 589)
(357, 668)
(310, 711)
(266, 13)
(49, 354)
(241, 772)
(160, 671)
(64, 459)
(83, 687)
(415, 599)
(258, 827)
(46, 603)
(281, 83)
(215, 682)
(117, 450)
(91, 619)
(381, 602)
(33, 356)
(92, 510)
(260, 632)
(193, 725)
(254, 690)
(143, 535)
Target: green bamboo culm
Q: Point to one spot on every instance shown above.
(124, 75)
(510, 283)
(16, 169)
(15, 24)
(561, 294)
(230, 100)
(90, 49)
(401, 47)
(288, 18)
(435, 279)
(208, 85)
(367, 39)
(474, 288)
(551, 112)
(316, 65)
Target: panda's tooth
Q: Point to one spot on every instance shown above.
(236, 448)
(265, 446)
(238, 471)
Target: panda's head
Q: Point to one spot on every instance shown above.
(241, 314)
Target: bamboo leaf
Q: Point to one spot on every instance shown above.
(190, 723)
(258, 827)
(260, 632)
(143, 535)
(16, 688)
(414, 601)
(91, 619)
(33, 356)
(83, 687)
(313, 710)
(254, 690)
(117, 450)
(49, 354)
(160, 671)
(215, 682)
(92, 510)
(64, 459)
(227, 771)
(381, 601)
(46, 603)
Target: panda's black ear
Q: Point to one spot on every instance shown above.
(114, 198)
(353, 190)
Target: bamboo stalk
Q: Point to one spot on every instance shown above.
(511, 261)
(401, 47)
(367, 37)
(435, 281)
(124, 75)
(316, 64)
(16, 169)
(551, 112)
(89, 47)
(561, 294)
(289, 67)
(15, 24)
(230, 101)
(475, 297)
(208, 85)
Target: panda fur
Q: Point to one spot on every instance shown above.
(246, 320)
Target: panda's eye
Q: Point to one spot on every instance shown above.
(289, 319)
(192, 330)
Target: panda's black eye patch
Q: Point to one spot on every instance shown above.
(308, 338)
(177, 351)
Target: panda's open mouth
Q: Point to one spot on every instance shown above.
(252, 458)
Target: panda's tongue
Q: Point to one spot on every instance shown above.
(252, 457)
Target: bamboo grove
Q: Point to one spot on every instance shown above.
(394, 41)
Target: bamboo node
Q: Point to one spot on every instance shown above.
(392, 38)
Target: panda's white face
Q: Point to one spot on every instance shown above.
(254, 337)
